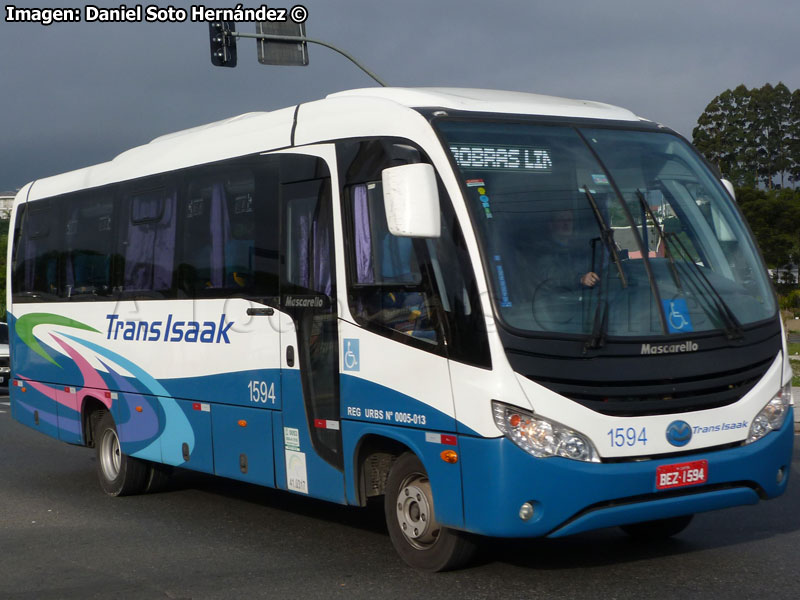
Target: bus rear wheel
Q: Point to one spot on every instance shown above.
(158, 477)
(119, 474)
(659, 529)
(410, 517)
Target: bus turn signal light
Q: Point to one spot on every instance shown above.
(242, 423)
(449, 456)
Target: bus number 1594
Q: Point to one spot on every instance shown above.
(261, 392)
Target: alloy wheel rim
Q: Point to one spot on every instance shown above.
(414, 510)
(110, 455)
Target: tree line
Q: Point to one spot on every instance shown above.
(774, 218)
(753, 135)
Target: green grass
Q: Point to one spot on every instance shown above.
(794, 348)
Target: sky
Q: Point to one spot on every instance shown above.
(76, 94)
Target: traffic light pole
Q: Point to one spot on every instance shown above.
(297, 38)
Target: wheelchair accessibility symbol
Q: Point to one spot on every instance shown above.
(350, 357)
(677, 313)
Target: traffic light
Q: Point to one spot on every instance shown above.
(223, 44)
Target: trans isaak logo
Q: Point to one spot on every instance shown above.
(679, 433)
(205, 332)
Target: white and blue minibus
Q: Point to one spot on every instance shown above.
(507, 314)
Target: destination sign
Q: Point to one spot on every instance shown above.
(502, 158)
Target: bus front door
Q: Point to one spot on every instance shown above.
(310, 438)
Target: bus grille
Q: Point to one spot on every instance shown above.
(657, 397)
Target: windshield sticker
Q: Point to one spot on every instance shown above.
(600, 179)
(502, 158)
(485, 202)
(677, 313)
(505, 301)
(475, 183)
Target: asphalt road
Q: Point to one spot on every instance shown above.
(60, 537)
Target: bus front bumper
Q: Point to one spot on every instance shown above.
(571, 496)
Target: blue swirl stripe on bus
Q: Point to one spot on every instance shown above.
(177, 429)
(46, 417)
(135, 434)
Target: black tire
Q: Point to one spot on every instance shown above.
(158, 477)
(416, 535)
(119, 474)
(658, 530)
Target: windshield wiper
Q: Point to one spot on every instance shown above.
(667, 252)
(600, 320)
(605, 234)
(731, 325)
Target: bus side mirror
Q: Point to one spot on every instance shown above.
(411, 199)
(729, 186)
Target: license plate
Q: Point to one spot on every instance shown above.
(681, 474)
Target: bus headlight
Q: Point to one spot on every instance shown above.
(772, 416)
(542, 437)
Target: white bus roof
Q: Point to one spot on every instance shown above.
(352, 113)
(496, 101)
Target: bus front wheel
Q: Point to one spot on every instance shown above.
(410, 517)
(119, 474)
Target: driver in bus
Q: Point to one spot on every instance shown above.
(563, 264)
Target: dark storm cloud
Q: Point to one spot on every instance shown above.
(77, 94)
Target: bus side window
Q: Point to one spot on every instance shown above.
(36, 261)
(412, 290)
(89, 241)
(388, 290)
(149, 241)
(309, 241)
(218, 239)
(18, 267)
(240, 243)
(228, 231)
(308, 226)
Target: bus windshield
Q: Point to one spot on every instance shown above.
(606, 231)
